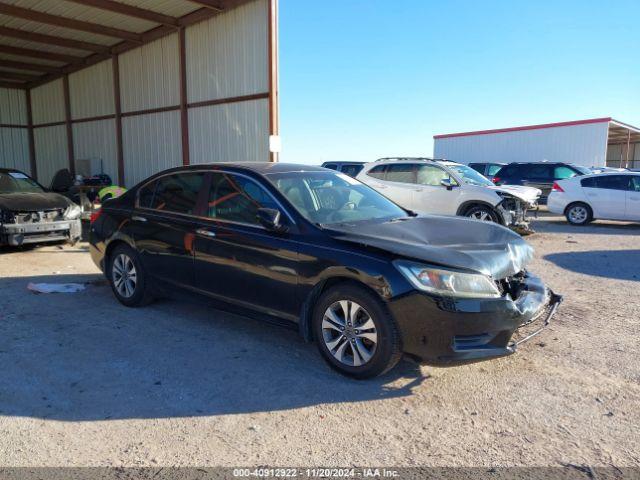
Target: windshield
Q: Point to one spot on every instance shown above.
(470, 176)
(327, 198)
(17, 182)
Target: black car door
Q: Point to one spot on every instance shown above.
(163, 225)
(237, 259)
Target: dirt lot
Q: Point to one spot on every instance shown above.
(85, 381)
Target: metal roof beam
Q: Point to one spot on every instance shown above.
(41, 17)
(33, 67)
(20, 86)
(22, 77)
(131, 11)
(210, 4)
(51, 40)
(28, 52)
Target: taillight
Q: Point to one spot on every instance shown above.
(556, 187)
(95, 215)
(496, 180)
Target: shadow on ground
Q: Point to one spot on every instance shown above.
(547, 222)
(83, 356)
(617, 264)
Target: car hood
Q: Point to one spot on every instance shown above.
(30, 202)
(528, 194)
(450, 242)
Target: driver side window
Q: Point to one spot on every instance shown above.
(432, 175)
(237, 199)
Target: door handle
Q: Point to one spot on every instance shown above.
(137, 218)
(205, 232)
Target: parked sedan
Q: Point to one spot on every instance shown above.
(29, 214)
(364, 278)
(606, 196)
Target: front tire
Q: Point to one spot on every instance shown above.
(355, 333)
(482, 213)
(127, 277)
(579, 213)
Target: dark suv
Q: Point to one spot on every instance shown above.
(538, 174)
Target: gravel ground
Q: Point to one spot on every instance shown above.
(87, 382)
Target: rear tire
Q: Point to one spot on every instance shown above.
(127, 277)
(578, 213)
(482, 213)
(355, 333)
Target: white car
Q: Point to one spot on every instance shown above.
(606, 196)
(449, 188)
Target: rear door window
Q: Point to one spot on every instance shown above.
(635, 183)
(401, 173)
(478, 167)
(332, 166)
(613, 182)
(540, 172)
(510, 171)
(145, 195)
(178, 193)
(377, 172)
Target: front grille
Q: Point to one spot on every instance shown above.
(42, 216)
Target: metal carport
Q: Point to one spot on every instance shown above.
(131, 87)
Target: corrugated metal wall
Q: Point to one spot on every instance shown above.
(91, 91)
(226, 57)
(229, 133)
(149, 75)
(14, 142)
(151, 143)
(617, 155)
(47, 103)
(51, 151)
(13, 107)
(584, 144)
(96, 142)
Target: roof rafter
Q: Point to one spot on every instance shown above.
(22, 77)
(41, 17)
(130, 11)
(20, 86)
(211, 4)
(33, 67)
(28, 52)
(52, 40)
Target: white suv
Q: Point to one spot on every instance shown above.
(449, 188)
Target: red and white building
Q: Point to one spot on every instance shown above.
(594, 142)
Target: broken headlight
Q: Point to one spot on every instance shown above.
(72, 212)
(448, 282)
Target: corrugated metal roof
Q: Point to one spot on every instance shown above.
(125, 29)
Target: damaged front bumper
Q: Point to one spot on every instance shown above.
(446, 331)
(16, 234)
(514, 213)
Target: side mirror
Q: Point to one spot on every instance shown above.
(446, 182)
(269, 218)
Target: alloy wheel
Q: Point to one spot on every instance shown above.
(125, 277)
(578, 214)
(481, 215)
(349, 333)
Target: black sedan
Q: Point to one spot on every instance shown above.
(364, 278)
(30, 214)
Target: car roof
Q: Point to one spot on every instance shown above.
(346, 162)
(10, 170)
(262, 168)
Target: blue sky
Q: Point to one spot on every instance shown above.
(361, 79)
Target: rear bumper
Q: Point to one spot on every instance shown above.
(16, 234)
(448, 332)
(556, 204)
